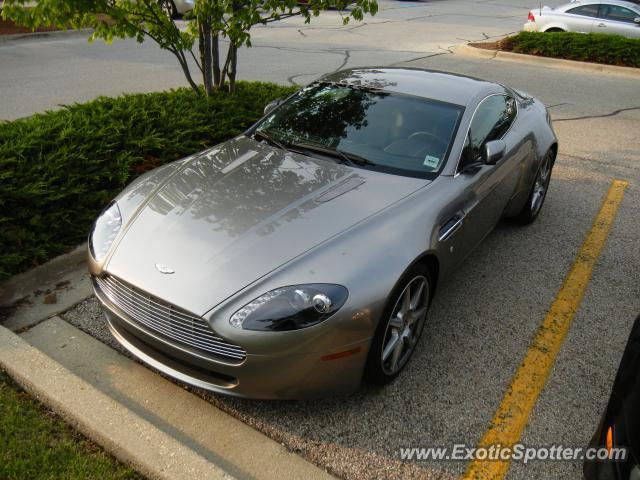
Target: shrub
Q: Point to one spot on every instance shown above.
(59, 168)
(592, 47)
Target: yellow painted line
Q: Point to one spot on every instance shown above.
(513, 413)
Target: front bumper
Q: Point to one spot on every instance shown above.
(293, 375)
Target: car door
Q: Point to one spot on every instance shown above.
(581, 19)
(618, 20)
(488, 188)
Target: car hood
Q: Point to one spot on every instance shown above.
(239, 211)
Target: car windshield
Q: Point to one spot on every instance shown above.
(384, 131)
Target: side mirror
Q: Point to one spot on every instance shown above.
(494, 151)
(271, 105)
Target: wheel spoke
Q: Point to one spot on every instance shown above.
(391, 345)
(395, 357)
(396, 322)
(408, 341)
(406, 301)
(415, 299)
(418, 314)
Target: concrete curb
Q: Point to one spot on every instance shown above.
(470, 51)
(55, 34)
(145, 420)
(128, 437)
(47, 290)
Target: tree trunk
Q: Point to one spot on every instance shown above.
(225, 68)
(233, 52)
(182, 60)
(215, 48)
(205, 54)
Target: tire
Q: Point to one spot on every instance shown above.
(385, 362)
(169, 8)
(538, 192)
(552, 30)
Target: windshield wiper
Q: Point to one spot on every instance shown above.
(269, 139)
(346, 157)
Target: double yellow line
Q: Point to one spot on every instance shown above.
(513, 413)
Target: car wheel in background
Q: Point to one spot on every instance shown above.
(533, 205)
(400, 326)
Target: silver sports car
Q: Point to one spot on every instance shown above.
(301, 256)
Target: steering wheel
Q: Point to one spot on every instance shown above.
(430, 138)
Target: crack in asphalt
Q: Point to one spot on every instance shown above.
(347, 56)
(604, 115)
(292, 77)
(446, 51)
(333, 51)
(558, 105)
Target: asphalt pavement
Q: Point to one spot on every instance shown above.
(483, 319)
(62, 69)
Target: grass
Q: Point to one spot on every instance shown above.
(60, 168)
(36, 444)
(592, 47)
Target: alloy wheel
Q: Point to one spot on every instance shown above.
(541, 185)
(405, 325)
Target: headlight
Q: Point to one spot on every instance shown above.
(291, 308)
(105, 230)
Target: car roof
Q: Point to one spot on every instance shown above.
(576, 3)
(431, 84)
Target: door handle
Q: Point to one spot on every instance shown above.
(601, 25)
(450, 227)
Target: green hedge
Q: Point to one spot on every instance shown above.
(58, 169)
(592, 47)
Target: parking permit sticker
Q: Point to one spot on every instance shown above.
(431, 162)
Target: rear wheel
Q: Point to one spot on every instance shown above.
(532, 207)
(400, 326)
(554, 30)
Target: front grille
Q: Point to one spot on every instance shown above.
(167, 319)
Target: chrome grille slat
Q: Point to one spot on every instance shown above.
(150, 310)
(212, 344)
(149, 321)
(162, 308)
(167, 319)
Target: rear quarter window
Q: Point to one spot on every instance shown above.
(585, 11)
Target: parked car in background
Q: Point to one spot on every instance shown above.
(176, 8)
(172, 8)
(616, 17)
(620, 424)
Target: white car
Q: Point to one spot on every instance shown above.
(588, 16)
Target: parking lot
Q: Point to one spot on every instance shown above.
(483, 318)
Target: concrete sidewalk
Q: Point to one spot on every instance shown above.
(143, 419)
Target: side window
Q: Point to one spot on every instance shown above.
(617, 13)
(585, 11)
(492, 119)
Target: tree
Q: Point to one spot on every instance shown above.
(211, 22)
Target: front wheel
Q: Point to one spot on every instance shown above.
(400, 327)
(532, 207)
